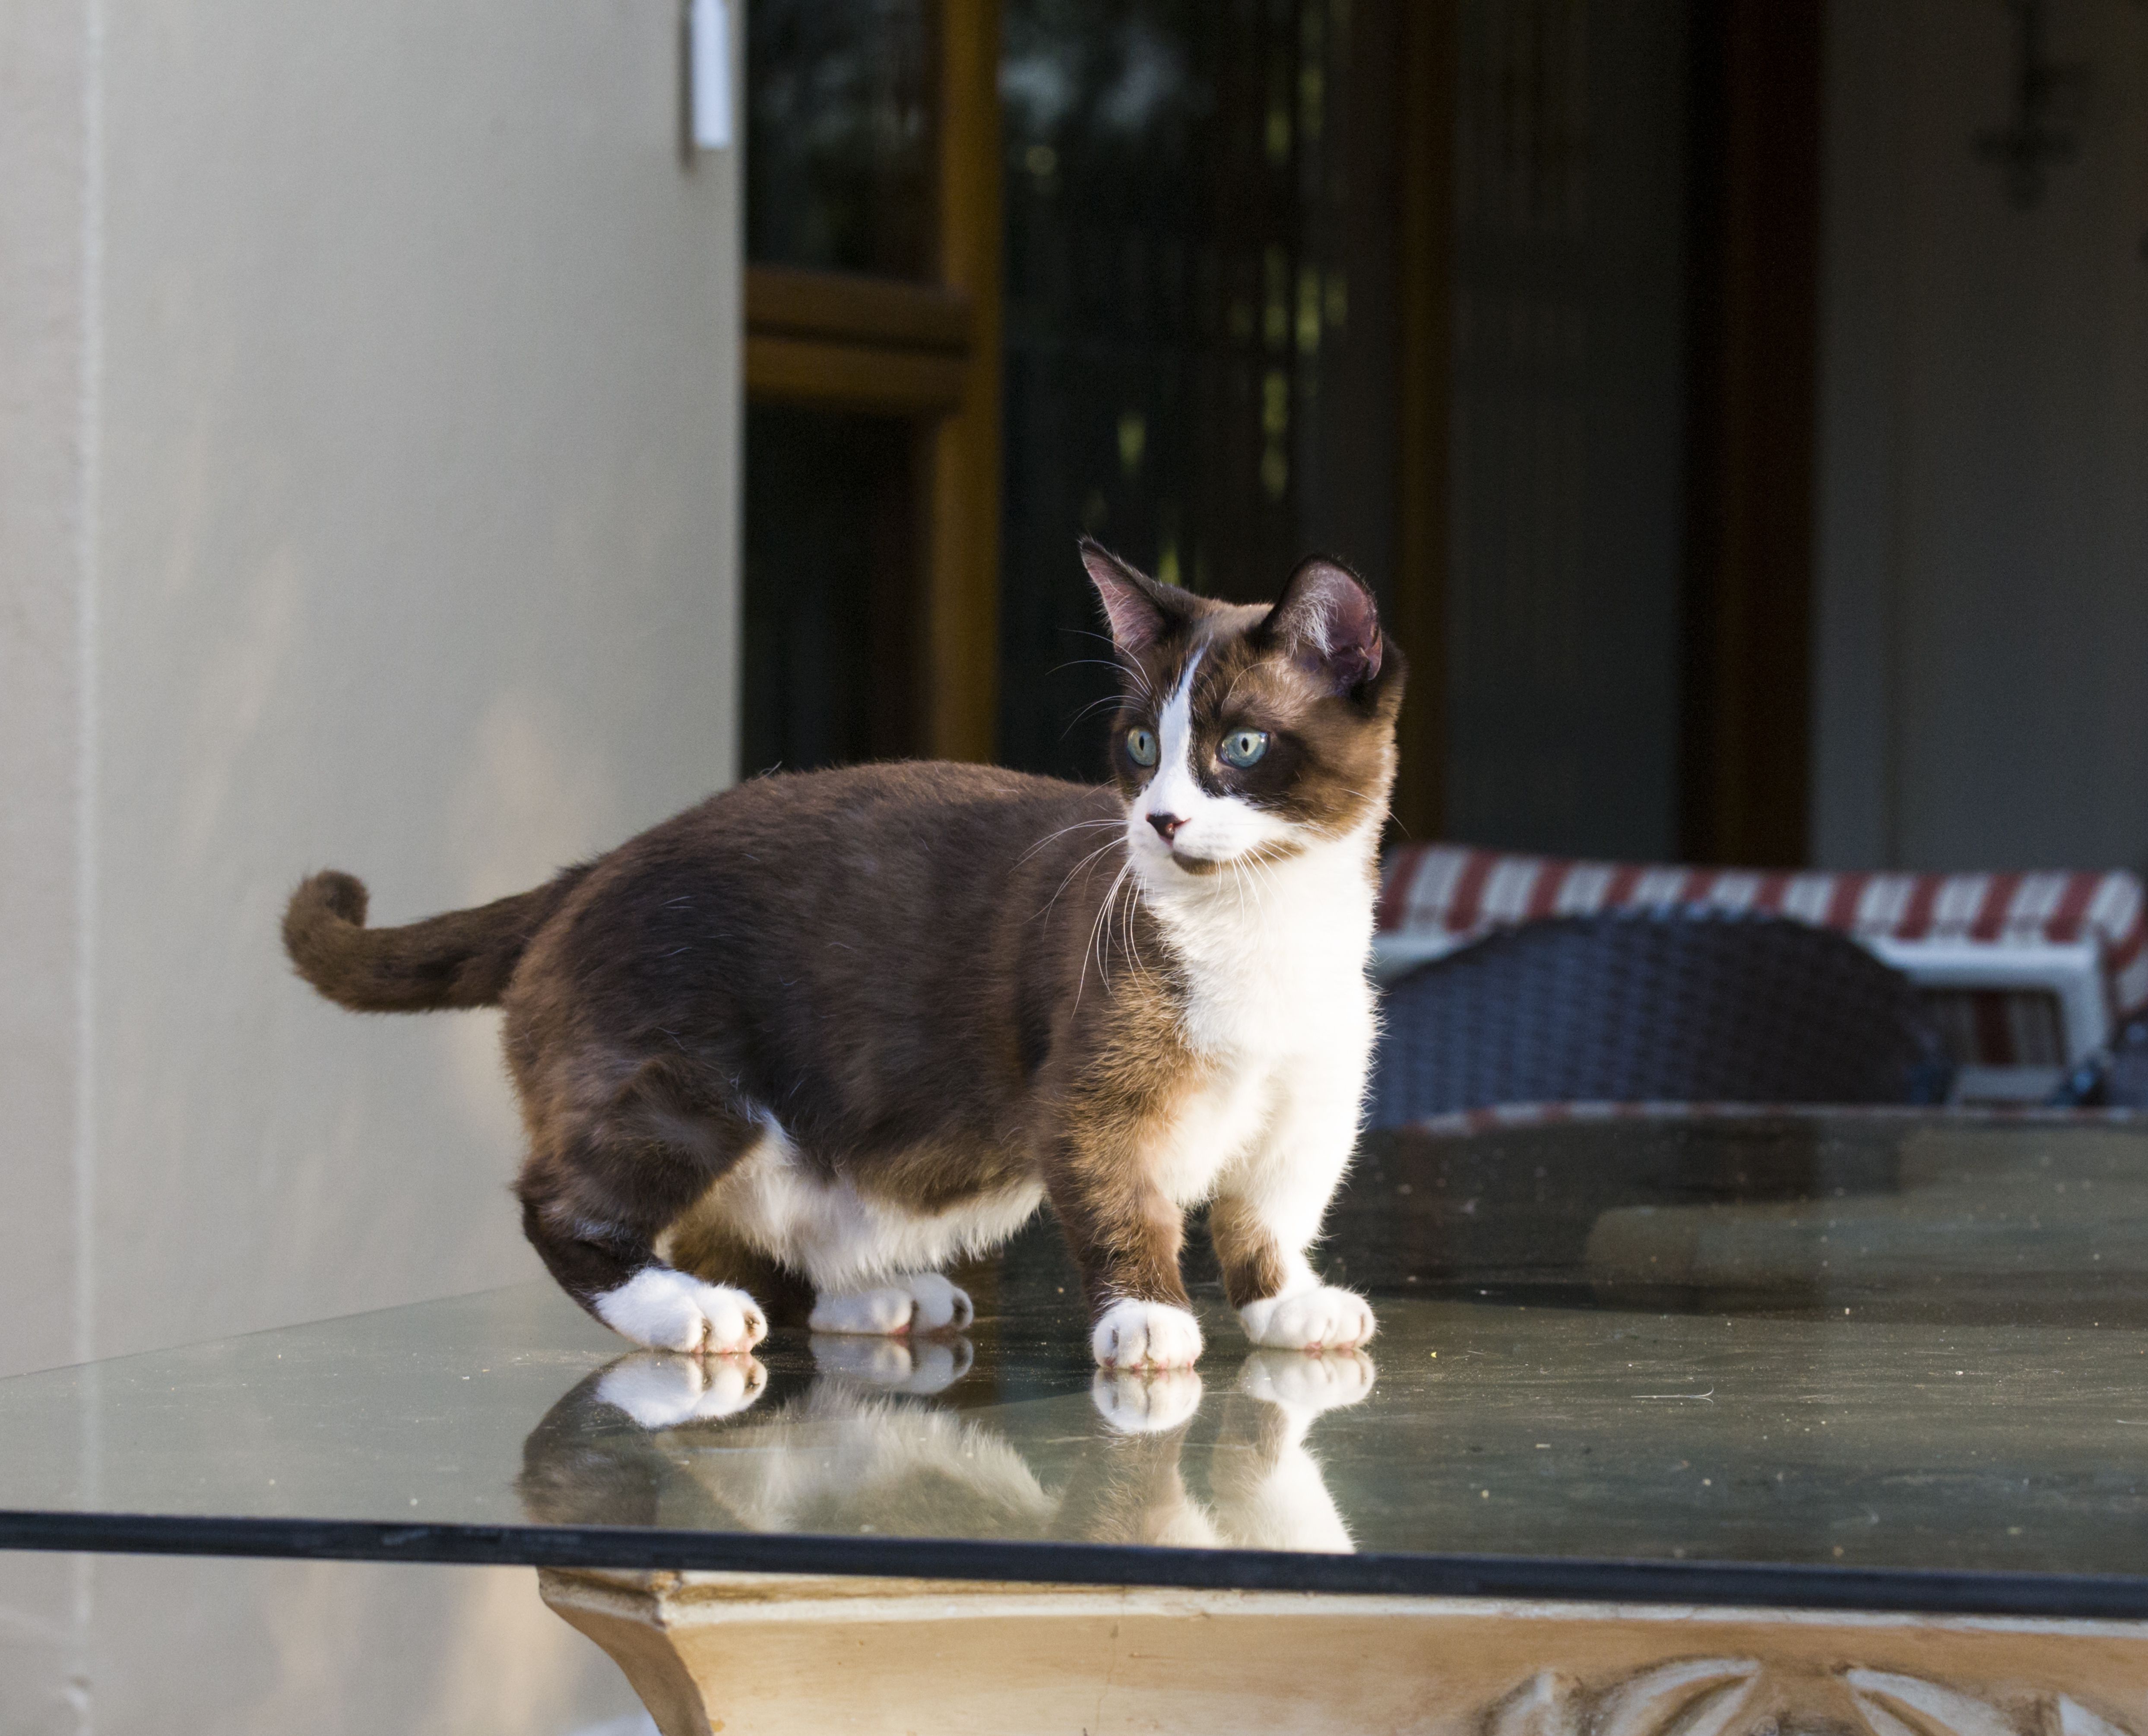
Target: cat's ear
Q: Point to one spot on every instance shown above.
(1326, 623)
(1140, 609)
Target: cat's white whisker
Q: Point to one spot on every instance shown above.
(1127, 923)
(1079, 825)
(1101, 849)
(1131, 670)
(1231, 692)
(1095, 930)
(1109, 701)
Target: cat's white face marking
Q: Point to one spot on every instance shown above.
(1216, 829)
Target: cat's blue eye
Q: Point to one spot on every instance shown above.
(1242, 747)
(1141, 746)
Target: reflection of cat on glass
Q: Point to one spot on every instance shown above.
(659, 1438)
(832, 1032)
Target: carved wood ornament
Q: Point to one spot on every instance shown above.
(1742, 1697)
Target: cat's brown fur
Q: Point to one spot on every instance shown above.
(922, 990)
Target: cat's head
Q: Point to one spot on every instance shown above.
(1247, 732)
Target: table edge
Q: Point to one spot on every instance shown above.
(1921, 1591)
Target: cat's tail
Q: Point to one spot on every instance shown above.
(462, 959)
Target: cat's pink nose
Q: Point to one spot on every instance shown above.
(1167, 825)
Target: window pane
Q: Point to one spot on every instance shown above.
(839, 141)
(829, 585)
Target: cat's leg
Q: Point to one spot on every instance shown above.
(921, 1302)
(612, 1270)
(1125, 1234)
(705, 1244)
(602, 1190)
(1267, 1213)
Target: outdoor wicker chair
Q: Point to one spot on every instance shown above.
(1687, 1004)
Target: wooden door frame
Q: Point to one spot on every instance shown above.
(1752, 432)
(1425, 383)
(962, 555)
(929, 352)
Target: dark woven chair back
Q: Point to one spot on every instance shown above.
(1677, 1006)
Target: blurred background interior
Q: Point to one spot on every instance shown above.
(417, 454)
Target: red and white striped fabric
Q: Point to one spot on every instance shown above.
(1434, 897)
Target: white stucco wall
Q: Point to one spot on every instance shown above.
(1982, 695)
(368, 400)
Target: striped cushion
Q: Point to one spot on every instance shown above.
(1439, 895)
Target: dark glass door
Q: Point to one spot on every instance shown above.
(1199, 309)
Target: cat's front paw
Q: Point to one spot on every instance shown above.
(1307, 1385)
(1145, 1403)
(1324, 1318)
(921, 1302)
(667, 1310)
(1146, 1335)
(660, 1389)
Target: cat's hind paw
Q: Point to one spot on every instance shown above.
(1133, 1334)
(659, 1390)
(921, 1302)
(1324, 1318)
(667, 1310)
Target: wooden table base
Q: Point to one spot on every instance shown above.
(741, 1653)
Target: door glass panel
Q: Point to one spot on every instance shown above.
(829, 588)
(1199, 316)
(839, 135)
(1568, 471)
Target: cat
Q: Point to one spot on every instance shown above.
(828, 1032)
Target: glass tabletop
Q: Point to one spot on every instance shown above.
(1888, 1362)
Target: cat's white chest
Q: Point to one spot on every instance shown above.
(1278, 1005)
(1278, 975)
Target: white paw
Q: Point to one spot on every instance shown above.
(1146, 1335)
(667, 1310)
(1320, 1319)
(1146, 1403)
(923, 1365)
(660, 1389)
(940, 1304)
(1307, 1384)
(921, 1302)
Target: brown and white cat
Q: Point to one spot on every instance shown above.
(832, 1032)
